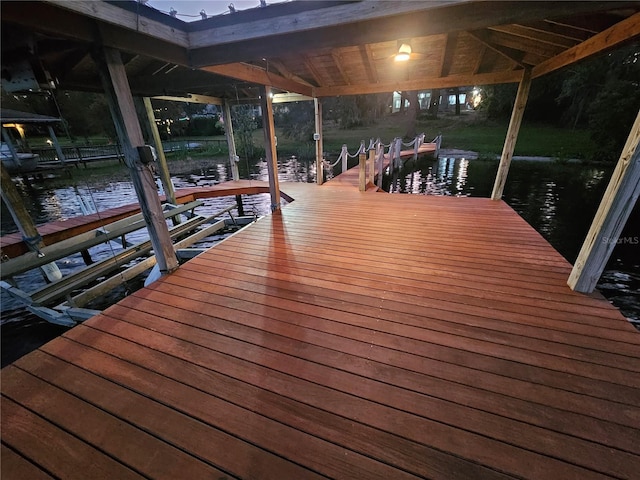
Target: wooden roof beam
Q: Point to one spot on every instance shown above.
(366, 54)
(476, 67)
(425, 83)
(522, 44)
(363, 22)
(565, 31)
(253, 74)
(115, 15)
(536, 35)
(284, 71)
(619, 33)
(337, 60)
(449, 54)
(191, 98)
(315, 73)
(483, 37)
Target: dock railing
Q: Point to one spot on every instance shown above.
(87, 153)
(373, 160)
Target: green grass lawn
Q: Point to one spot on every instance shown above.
(469, 131)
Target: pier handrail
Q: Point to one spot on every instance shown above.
(376, 159)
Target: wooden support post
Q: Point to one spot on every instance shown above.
(118, 95)
(512, 134)
(397, 160)
(362, 174)
(240, 205)
(24, 222)
(231, 142)
(372, 165)
(345, 158)
(12, 149)
(381, 164)
(317, 105)
(271, 154)
(163, 167)
(616, 206)
(56, 144)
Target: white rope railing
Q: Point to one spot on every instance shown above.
(375, 152)
(362, 149)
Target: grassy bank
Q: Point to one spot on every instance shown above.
(469, 131)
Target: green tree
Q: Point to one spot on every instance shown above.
(603, 93)
(356, 110)
(296, 119)
(244, 124)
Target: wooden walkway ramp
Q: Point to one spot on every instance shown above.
(354, 336)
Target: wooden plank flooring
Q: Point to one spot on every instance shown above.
(353, 335)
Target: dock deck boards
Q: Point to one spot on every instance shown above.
(353, 335)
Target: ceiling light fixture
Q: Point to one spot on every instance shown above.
(404, 53)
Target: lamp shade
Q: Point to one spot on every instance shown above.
(404, 53)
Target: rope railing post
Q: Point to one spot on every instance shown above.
(438, 142)
(344, 155)
(397, 152)
(362, 173)
(380, 156)
(372, 163)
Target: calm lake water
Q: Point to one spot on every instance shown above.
(558, 200)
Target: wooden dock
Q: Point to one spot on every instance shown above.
(353, 335)
(12, 244)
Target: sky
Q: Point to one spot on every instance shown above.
(189, 10)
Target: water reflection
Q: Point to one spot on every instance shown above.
(559, 200)
(429, 176)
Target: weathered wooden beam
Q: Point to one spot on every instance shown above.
(290, 97)
(192, 98)
(115, 15)
(565, 31)
(614, 210)
(512, 134)
(284, 71)
(522, 44)
(251, 73)
(425, 83)
(24, 222)
(337, 60)
(56, 144)
(271, 154)
(448, 55)
(366, 54)
(317, 106)
(536, 35)
(368, 21)
(315, 73)
(482, 37)
(163, 169)
(231, 142)
(609, 38)
(118, 95)
(479, 59)
(83, 241)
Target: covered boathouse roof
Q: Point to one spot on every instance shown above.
(314, 48)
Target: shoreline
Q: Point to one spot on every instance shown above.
(471, 155)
